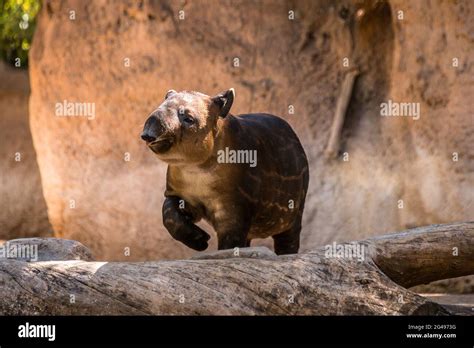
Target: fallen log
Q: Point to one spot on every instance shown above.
(358, 278)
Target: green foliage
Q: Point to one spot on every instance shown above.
(17, 25)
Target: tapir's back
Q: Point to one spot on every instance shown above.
(282, 170)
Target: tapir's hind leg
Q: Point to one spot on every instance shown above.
(288, 242)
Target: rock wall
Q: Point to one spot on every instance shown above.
(105, 189)
(22, 205)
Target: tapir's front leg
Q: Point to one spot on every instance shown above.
(233, 227)
(180, 224)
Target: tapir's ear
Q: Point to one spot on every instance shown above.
(170, 93)
(224, 101)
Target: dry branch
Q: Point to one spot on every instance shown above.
(332, 148)
(308, 283)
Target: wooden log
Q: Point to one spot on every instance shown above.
(426, 254)
(326, 281)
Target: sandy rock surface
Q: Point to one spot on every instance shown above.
(23, 211)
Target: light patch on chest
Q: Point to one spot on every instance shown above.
(196, 187)
(200, 188)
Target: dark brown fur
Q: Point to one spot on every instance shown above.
(241, 202)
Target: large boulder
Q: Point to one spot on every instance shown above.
(22, 205)
(105, 189)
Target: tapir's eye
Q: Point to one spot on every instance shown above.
(189, 120)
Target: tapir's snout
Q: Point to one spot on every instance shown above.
(154, 134)
(147, 137)
(152, 129)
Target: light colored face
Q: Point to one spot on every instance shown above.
(184, 127)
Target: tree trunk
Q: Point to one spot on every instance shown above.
(256, 282)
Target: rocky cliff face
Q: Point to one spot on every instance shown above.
(105, 189)
(23, 208)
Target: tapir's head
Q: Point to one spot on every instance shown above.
(182, 130)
